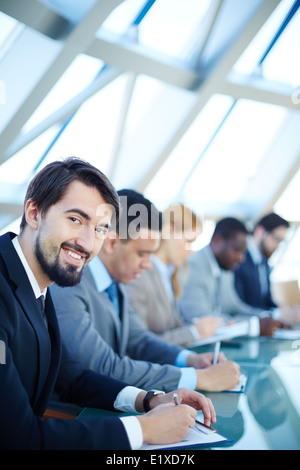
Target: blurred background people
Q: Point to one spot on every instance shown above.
(154, 295)
(210, 284)
(252, 278)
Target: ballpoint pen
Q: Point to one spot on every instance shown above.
(176, 401)
(216, 352)
(175, 397)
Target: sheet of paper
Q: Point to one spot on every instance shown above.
(198, 436)
(240, 388)
(286, 334)
(224, 333)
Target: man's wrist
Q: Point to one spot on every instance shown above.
(148, 397)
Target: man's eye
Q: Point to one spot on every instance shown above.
(75, 220)
(101, 231)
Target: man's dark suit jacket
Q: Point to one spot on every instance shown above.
(248, 285)
(35, 361)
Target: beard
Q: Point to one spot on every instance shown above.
(264, 251)
(64, 276)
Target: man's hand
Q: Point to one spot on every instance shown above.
(191, 398)
(207, 326)
(200, 361)
(223, 376)
(268, 326)
(167, 424)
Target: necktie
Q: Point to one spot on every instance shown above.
(41, 301)
(112, 292)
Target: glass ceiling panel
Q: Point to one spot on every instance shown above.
(78, 76)
(164, 189)
(288, 205)
(283, 62)
(90, 133)
(20, 167)
(249, 60)
(122, 17)
(234, 156)
(156, 111)
(7, 25)
(170, 26)
(22, 66)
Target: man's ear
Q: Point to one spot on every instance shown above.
(32, 214)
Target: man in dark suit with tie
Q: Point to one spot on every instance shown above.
(67, 214)
(252, 278)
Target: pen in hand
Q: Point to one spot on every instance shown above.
(175, 397)
(176, 401)
(216, 352)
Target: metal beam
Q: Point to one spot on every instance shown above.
(214, 82)
(37, 16)
(122, 117)
(77, 42)
(258, 89)
(277, 168)
(63, 112)
(126, 55)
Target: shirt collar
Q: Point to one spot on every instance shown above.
(33, 282)
(165, 270)
(101, 276)
(216, 270)
(254, 251)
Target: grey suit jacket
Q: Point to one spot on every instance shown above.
(94, 334)
(200, 290)
(150, 301)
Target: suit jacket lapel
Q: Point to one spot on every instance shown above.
(159, 290)
(109, 308)
(30, 307)
(55, 350)
(124, 324)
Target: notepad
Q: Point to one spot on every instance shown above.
(286, 334)
(240, 328)
(198, 436)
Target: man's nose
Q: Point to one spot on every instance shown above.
(86, 239)
(147, 262)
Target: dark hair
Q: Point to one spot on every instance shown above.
(272, 221)
(50, 184)
(229, 227)
(136, 213)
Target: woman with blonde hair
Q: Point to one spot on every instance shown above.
(154, 295)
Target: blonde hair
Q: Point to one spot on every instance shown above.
(179, 219)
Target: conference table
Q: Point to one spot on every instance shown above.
(266, 416)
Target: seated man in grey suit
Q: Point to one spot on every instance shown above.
(210, 288)
(105, 334)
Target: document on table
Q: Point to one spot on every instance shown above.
(286, 334)
(240, 388)
(240, 328)
(200, 435)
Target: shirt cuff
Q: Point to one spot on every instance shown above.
(194, 332)
(188, 378)
(125, 400)
(276, 314)
(181, 359)
(134, 431)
